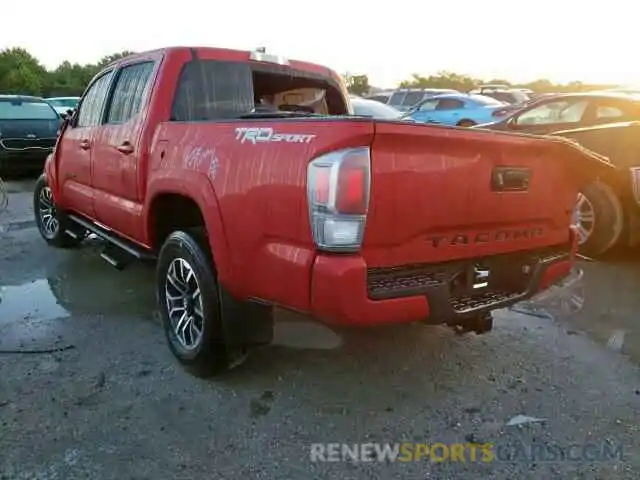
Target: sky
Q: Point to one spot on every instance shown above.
(563, 40)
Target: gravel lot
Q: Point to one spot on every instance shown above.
(112, 403)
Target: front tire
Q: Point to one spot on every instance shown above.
(466, 123)
(599, 217)
(51, 222)
(189, 300)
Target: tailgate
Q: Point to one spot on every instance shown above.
(442, 193)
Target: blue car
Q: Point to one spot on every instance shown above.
(459, 109)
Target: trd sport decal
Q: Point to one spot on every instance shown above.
(261, 135)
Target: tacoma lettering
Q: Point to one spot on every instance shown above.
(485, 237)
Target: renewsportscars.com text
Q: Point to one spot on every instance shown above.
(466, 452)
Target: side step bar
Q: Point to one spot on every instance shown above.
(120, 251)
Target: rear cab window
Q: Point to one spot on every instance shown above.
(219, 90)
(26, 109)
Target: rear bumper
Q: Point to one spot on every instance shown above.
(345, 291)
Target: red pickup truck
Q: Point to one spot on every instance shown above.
(249, 181)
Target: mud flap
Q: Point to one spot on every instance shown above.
(245, 324)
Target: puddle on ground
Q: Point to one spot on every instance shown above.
(32, 301)
(29, 315)
(296, 331)
(86, 284)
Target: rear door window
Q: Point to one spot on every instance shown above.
(129, 93)
(412, 98)
(428, 106)
(90, 110)
(213, 90)
(397, 98)
(558, 112)
(450, 104)
(612, 111)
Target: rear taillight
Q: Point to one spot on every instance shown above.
(338, 186)
(635, 183)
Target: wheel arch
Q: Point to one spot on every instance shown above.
(180, 202)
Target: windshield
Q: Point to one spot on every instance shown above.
(374, 109)
(64, 102)
(484, 100)
(26, 110)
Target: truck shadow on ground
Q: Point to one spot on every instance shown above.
(82, 284)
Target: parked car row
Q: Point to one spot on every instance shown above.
(404, 99)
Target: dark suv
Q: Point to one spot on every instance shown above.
(28, 132)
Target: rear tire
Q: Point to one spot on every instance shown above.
(189, 299)
(51, 222)
(600, 219)
(466, 123)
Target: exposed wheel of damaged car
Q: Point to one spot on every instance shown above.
(51, 222)
(599, 217)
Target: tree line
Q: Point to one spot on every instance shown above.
(22, 73)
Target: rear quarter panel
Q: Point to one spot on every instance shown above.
(259, 200)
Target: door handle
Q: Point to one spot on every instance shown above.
(84, 144)
(125, 148)
(510, 179)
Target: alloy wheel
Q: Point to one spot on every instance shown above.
(47, 212)
(584, 217)
(184, 304)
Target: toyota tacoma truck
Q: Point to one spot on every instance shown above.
(248, 180)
